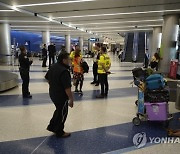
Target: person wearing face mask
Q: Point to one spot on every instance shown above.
(25, 64)
(59, 80)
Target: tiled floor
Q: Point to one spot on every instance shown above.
(98, 126)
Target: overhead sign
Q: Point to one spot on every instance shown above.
(94, 39)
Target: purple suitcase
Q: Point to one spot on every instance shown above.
(157, 111)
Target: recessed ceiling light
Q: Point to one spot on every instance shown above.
(21, 21)
(54, 3)
(125, 27)
(7, 10)
(101, 23)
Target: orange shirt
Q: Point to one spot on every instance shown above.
(77, 65)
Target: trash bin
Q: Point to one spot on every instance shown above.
(178, 96)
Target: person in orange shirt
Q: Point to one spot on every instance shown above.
(78, 71)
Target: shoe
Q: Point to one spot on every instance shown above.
(65, 135)
(80, 92)
(28, 96)
(76, 91)
(106, 95)
(93, 82)
(100, 96)
(50, 129)
(97, 84)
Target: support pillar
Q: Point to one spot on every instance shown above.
(89, 45)
(46, 37)
(5, 44)
(68, 43)
(156, 40)
(81, 43)
(169, 40)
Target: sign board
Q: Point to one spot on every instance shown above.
(94, 39)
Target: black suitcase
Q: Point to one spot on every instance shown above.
(154, 96)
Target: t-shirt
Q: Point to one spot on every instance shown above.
(77, 65)
(59, 79)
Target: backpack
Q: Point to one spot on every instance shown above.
(85, 67)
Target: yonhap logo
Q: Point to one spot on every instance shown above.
(140, 140)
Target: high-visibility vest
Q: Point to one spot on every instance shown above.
(104, 60)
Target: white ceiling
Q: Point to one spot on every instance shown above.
(104, 17)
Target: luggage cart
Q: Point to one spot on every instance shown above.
(150, 111)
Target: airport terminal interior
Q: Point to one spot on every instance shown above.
(141, 112)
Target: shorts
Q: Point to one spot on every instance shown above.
(78, 76)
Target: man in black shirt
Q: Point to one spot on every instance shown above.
(24, 71)
(44, 55)
(52, 51)
(60, 93)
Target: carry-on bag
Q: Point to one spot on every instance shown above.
(155, 81)
(153, 96)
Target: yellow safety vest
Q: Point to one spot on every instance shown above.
(104, 60)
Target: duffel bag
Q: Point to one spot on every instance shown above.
(155, 81)
(156, 96)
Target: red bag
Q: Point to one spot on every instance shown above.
(173, 69)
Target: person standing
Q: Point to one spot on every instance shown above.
(146, 59)
(60, 93)
(104, 64)
(155, 61)
(95, 65)
(52, 52)
(44, 55)
(78, 71)
(24, 63)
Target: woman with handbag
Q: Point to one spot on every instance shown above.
(78, 76)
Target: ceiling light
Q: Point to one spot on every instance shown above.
(7, 10)
(15, 8)
(127, 30)
(50, 19)
(126, 27)
(21, 21)
(54, 3)
(122, 13)
(101, 23)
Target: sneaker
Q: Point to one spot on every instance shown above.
(76, 91)
(50, 129)
(65, 135)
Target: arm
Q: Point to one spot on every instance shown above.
(70, 96)
(66, 82)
